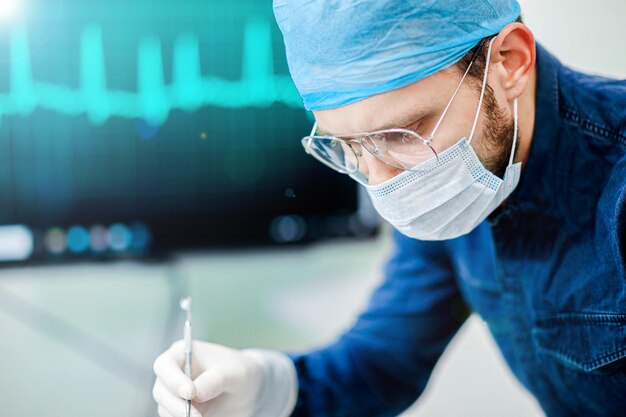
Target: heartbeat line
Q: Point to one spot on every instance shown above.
(259, 86)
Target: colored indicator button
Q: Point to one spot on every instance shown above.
(99, 238)
(55, 241)
(77, 239)
(141, 237)
(121, 237)
(16, 243)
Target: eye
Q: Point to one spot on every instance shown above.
(417, 127)
(406, 137)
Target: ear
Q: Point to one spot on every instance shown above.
(513, 56)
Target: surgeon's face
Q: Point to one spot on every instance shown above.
(419, 106)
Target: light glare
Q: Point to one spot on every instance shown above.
(8, 8)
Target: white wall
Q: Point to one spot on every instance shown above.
(587, 35)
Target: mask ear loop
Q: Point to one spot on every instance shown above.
(482, 91)
(480, 103)
(514, 132)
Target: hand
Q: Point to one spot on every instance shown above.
(226, 382)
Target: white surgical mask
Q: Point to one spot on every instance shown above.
(447, 196)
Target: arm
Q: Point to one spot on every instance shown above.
(381, 365)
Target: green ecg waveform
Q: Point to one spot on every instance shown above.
(259, 86)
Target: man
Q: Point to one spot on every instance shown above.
(504, 174)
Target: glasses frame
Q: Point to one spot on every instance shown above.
(360, 137)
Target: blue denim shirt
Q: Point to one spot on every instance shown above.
(546, 272)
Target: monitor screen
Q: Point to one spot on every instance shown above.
(139, 127)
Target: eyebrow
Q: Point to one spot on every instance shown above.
(402, 122)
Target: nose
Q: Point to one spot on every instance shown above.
(376, 170)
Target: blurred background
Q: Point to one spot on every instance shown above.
(149, 149)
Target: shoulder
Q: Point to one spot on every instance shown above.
(593, 104)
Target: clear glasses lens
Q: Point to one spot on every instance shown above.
(335, 153)
(400, 149)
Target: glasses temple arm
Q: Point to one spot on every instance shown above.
(480, 45)
(482, 91)
(432, 134)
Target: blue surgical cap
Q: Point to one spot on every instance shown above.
(342, 51)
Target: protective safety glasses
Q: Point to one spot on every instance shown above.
(399, 148)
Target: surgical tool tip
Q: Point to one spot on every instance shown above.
(185, 303)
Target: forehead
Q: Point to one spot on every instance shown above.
(389, 109)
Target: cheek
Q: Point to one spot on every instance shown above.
(452, 130)
(500, 96)
(447, 137)
(457, 123)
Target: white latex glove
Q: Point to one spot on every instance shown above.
(227, 382)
